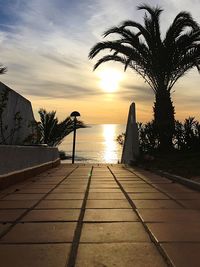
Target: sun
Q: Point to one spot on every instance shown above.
(109, 80)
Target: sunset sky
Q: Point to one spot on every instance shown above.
(45, 46)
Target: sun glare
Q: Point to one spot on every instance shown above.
(109, 80)
(110, 144)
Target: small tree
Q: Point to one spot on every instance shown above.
(53, 132)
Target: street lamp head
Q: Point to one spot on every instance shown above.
(75, 114)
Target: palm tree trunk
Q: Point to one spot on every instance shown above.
(164, 119)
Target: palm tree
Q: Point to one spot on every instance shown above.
(160, 61)
(53, 132)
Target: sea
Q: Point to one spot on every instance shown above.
(95, 144)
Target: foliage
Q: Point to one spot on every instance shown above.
(5, 136)
(34, 138)
(160, 62)
(186, 136)
(120, 139)
(53, 132)
(148, 137)
(63, 155)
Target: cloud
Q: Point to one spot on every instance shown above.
(59, 59)
(45, 45)
(137, 93)
(56, 90)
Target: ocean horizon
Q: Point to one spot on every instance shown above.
(95, 144)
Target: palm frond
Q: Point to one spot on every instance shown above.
(160, 62)
(109, 58)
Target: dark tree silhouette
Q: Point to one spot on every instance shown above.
(3, 70)
(53, 132)
(161, 62)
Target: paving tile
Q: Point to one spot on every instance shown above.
(80, 180)
(105, 190)
(52, 179)
(104, 186)
(106, 196)
(174, 215)
(140, 190)
(77, 178)
(10, 215)
(34, 255)
(68, 190)
(192, 195)
(59, 204)
(190, 204)
(52, 215)
(173, 188)
(40, 233)
(66, 196)
(33, 191)
(17, 204)
(36, 186)
(119, 255)
(183, 254)
(114, 232)
(76, 186)
(3, 227)
(148, 196)
(175, 232)
(159, 181)
(104, 182)
(102, 174)
(156, 204)
(98, 181)
(23, 196)
(134, 183)
(110, 215)
(118, 237)
(138, 186)
(47, 183)
(108, 204)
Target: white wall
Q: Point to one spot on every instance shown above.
(18, 158)
(16, 103)
(131, 143)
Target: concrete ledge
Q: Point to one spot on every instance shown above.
(179, 179)
(19, 176)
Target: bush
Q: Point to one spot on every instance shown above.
(186, 136)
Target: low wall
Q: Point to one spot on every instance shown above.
(20, 162)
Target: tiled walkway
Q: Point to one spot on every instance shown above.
(99, 216)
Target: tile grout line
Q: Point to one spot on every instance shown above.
(134, 208)
(77, 233)
(24, 184)
(159, 190)
(32, 207)
(123, 190)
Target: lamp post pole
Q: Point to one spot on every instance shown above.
(74, 114)
(74, 141)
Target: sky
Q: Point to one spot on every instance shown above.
(45, 46)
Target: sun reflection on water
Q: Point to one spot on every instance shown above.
(110, 144)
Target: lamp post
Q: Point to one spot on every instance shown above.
(73, 115)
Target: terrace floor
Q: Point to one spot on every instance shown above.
(99, 216)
